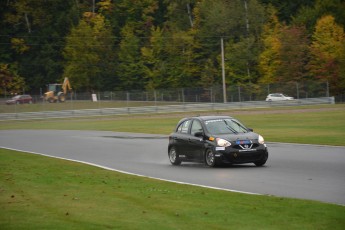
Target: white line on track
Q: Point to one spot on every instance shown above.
(134, 174)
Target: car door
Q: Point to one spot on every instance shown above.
(181, 139)
(196, 143)
(278, 97)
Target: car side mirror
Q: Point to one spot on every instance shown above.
(199, 134)
(250, 129)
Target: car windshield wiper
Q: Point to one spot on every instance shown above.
(239, 125)
(229, 127)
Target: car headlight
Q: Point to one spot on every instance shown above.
(223, 143)
(261, 140)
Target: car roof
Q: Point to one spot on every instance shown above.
(205, 118)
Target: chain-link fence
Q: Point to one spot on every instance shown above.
(214, 94)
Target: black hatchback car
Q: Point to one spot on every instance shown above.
(215, 140)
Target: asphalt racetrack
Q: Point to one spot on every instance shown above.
(292, 170)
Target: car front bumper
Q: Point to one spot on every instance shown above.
(240, 156)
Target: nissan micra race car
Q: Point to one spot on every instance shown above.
(215, 140)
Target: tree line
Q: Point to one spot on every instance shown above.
(106, 45)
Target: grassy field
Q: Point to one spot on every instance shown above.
(38, 192)
(323, 125)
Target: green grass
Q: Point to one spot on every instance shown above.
(38, 192)
(323, 125)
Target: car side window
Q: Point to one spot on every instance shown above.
(196, 127)
(183, 128)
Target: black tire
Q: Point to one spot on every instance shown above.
(62, 97)
(210, 158)
(174, 160)
(262, 161)
(51, 100)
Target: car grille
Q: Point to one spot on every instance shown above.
(243, 157)
(246, 146)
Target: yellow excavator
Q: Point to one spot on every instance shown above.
(58, 92)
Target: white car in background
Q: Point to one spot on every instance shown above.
(278, 97)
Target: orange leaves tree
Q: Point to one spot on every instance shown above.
(327, 53)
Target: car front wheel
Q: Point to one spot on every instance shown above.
(173, 157)
(210, 158)
(61, 97)
(262, 161)
(51, 100)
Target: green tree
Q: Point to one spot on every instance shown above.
(287, 9)
(130, 68)
(186, 56)
(269, 58)
(154, 61)
(309, 14)
(87, 52)
(240, 24)
(240, 56)
(136, 19)
(327, 53)
(183, 50)
(41, 27)
(139, 13)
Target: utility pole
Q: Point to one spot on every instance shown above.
(247, 27)
(223, 70)
(247, 21)
(190, 15)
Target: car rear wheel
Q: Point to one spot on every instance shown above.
(173, 157)
(210, 158)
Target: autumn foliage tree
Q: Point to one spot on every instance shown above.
(269, 58)
(327, 53)
(111, 45)
(10, 82)
(293, 54)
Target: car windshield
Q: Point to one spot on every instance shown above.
(16, 97)
(225, 126)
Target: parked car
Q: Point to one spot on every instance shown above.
(20, 99)
(215, 140)
(278, 97)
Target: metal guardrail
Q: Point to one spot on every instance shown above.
(162, 109)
